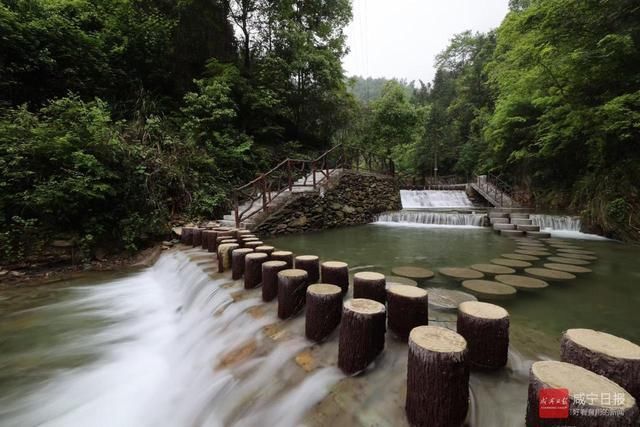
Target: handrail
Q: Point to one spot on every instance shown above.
(269, 185)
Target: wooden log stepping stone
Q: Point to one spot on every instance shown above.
(270, 270)
(499, 227)
(447, 299)
(486, 329)
(489, 289)
(608, 355)
(513, 263)
(265, 249)
(591, 397)
(310, 264)
(400, 281)
(579, 256)
(205, 238)
(437, 366)
(511, 233)
(548, 274)
(567, 267)
(224, 256)
(292, 291)
(197, 236)
(324, 310)
(563, 260)
(237, 262)
(493, 269)
(461, 273)
(285, 256)
(253, 269)
(523, 283)
(532, 252)
(538, 234)
(576, 251)
(362, 332)
(369, 285)
(187, 236)
(225, 241)
(335, 273)
(408, 307)
(415, 273)
(253, 244)
(521, 257)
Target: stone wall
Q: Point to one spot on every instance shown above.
(351, 198)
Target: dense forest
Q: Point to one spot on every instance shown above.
(116, 117)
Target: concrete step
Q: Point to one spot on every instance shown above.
(232, 223)
(521, 215)
(499, 227)
(525, 227)
(499, 220)
(521, 221)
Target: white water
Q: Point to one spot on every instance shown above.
(169, 328)
(556, 222)
(429, 218)
(415, 199)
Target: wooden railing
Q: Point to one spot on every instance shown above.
(258, 195)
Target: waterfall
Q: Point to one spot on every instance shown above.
(175, 350)
(556, 222)
(431, 218)
(416, 199)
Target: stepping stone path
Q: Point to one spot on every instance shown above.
(563, 260)
(460, 273)
(400, 281)
(521, 257)
(567, 267)
(532, 252)
(513, 263)
(580, 256)
(576, 251)
(416, 273)
(493, 269)
(548, 274)
(447, 299)
(489, 289)
(522, 282)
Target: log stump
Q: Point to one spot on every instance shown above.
(608, 355)
(594, 400)
(229, 241)
(285, 256)
(224, 256)
(362, 332)
(370, 285)
(486, 329)
(253, 269)
(205, 239)
(197, 236)
(437, 377)
(324, 310)
(265, 249)
(292, 290)
(237, 262)
(335, 273)
(270, 270)
(187, 236)
(310, 264)
(408, 307)
(253, 244)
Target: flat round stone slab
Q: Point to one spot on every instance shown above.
(521, 257)
(567, 267)
(548, 274)
(447, 299)
(411, 272)
(580, 256)
(563, 260)
(538, 234)
(460, 273)
(493, 269)
(489, 288)
(401, 280)
(510, 233)
(576, 251)
(532, 246)
(564, 246)
(522, 282)
(532, 252)
(513, 263)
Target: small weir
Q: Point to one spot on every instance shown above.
(556, 222)
(432, 218)
(424, 199)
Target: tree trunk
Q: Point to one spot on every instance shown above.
(407, 308)
(361, 334)
(324, 310)
(336, 273)
(604, 354)
(437, 378)
(237, 262)
(310, 264)
(253, 269)
(285, 256)
(367, 284)
(270, 270)
(292, 288)
(486, 329)
(224, 256)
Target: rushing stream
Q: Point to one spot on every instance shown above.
(170, 346)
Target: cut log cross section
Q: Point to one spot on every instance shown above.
(408, 307)
(361, 334)
(486, 329)
(285, 256)
(369, 285)
(336, 273)
(437, 377)
(324, 310)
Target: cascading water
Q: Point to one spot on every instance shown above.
(556, 222)
(175, 350)
(421, 199)
(431, 218)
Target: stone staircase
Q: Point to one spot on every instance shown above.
(492, 193)
(515, 224)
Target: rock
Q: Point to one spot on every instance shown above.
(348, 210)
(167, 243)
(298, 222)
(3, 272)
(17, 273)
